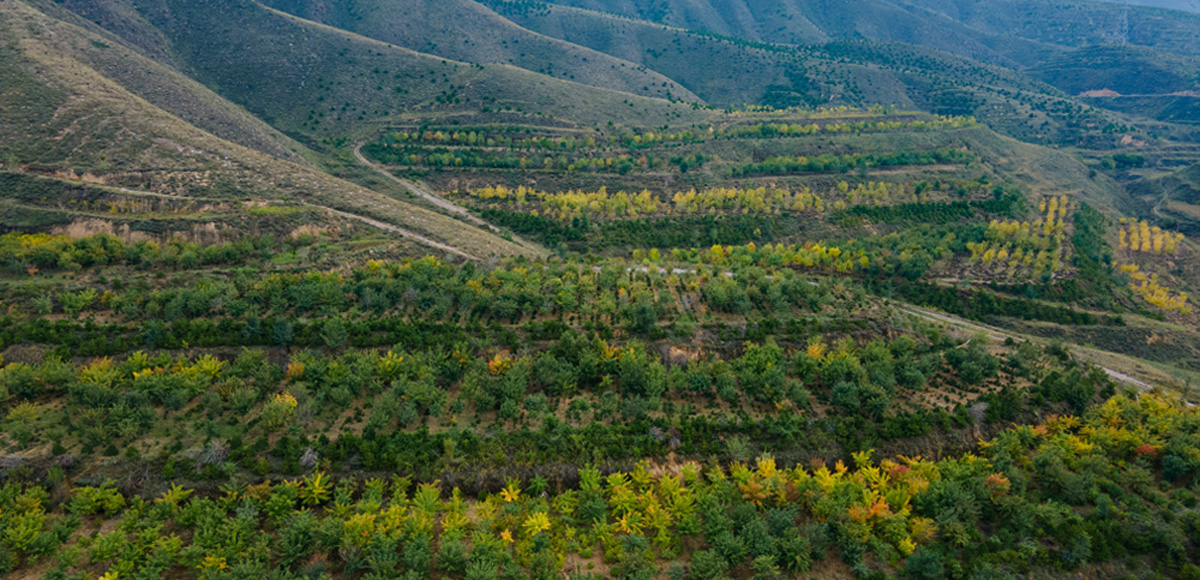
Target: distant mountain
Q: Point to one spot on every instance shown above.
(1075, 23)
(855, 72)
(1007, 54)
(795, 22)
(1128, 70)
(1184, 5)
(1008, 29)
(1017, 68)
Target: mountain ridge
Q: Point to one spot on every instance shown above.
(469, 32)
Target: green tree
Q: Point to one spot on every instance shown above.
(334, 333)
(74, 303)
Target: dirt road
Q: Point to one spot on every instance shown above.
(437, 200)
(993, 333)
(345, 214)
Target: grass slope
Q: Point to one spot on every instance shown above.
(842, 72)
(467, 31)
(64, 116)
(1124, 69)
(733, 72)
(1048, 171)
(1174, 196)
(145, 71)
(818, 21)
(316, 82)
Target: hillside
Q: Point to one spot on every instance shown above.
(901, 69)
(1185, 5)
(288, 420)
(1056, 42)
(154, 80)
(794, 22)
(734, 72)
(598, 290)
(1125, 70)
(465, 31)
(854, 73)
(1174, 196)
(1020, 30)
(63, 116)
(341, 84)
(273, 407)
(1077, 23)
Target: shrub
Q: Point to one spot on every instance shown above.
(708, 565)
(334, 333)
(21, 380)
(452, 556)
(93, 500)
(925, 565)
(74, 303)
(279, 412)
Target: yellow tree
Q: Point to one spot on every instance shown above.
(1169, 244)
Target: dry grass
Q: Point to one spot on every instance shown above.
(467, 31)
(78, 120)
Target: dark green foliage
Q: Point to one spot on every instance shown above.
(581, 235)
(708, 565)
(972, 363)
(932, 213)
(761, 372)
(1123, 161)
(925, 565)
(829, 163)
(982, 306)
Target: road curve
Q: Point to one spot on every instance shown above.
(417, 190)
(434, 198)
(998, 334)
(395, 230)
(345, 214)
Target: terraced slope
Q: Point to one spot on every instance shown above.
(839, 72)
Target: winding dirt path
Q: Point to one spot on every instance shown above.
(395, 230)
(435, 199)
(417, 190)
(994, 333)
(345, 214)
